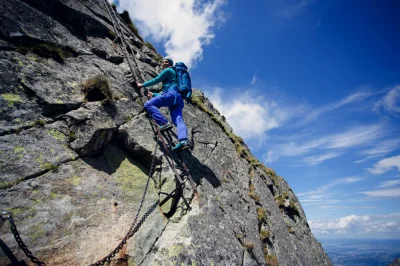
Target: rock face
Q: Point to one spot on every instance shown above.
(74, 166)
(395, 262)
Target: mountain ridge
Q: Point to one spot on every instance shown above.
(75, 159)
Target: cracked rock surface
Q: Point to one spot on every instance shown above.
(73, 169)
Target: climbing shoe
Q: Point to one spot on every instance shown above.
(182, 145)
(165, 127)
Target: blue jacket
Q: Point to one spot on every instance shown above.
(167, 77)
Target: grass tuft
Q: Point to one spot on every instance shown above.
(111, 35)
(128, 21)
(158, 58)
(97, 88)
(150, 46)
(264, 234)
(261, 215)
(271, 260)
(248, 245)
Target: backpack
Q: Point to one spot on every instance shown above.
(185, 84)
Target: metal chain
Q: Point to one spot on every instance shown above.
(130, 233)
(8, 215)
(151, 172)
(132, 230)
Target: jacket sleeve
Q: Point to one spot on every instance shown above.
(161, 77)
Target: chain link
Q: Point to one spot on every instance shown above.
(133, 229)
(151, 172)
(130, 233)
(8, 215)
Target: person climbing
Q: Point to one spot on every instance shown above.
(169, 97)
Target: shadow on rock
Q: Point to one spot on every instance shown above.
(11, 257)
(111, 159)
(197, 169)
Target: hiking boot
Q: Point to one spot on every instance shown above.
(182, 145)
(165, 127)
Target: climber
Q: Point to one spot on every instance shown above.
(169, 97)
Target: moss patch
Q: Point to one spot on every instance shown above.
(36, 231)
(48, 166)
(56, 134)
(129, 174)
(8, 184)
(126, 177)
(17, 211)
(75, 180)
(11, 98)
(19, 151)
(40, 122)
(174, 250)
(47, 50)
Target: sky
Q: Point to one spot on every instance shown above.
(313, 87)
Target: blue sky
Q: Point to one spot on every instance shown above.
(312, 86)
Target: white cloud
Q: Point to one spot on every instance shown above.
(356, 136)
(393, 192)
(391, 101)
(352, 137)
(386, 165)
(249, 117)
(185, 26)
(390, 183)
(380, 149)
(358, 224)
(254, 79)
(324, 194)
(317, 159)
(290, 11)
(355, 97)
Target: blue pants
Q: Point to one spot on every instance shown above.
(173, 100)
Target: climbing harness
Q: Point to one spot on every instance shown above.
(182, 177)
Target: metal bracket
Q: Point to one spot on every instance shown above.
(4, 215)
